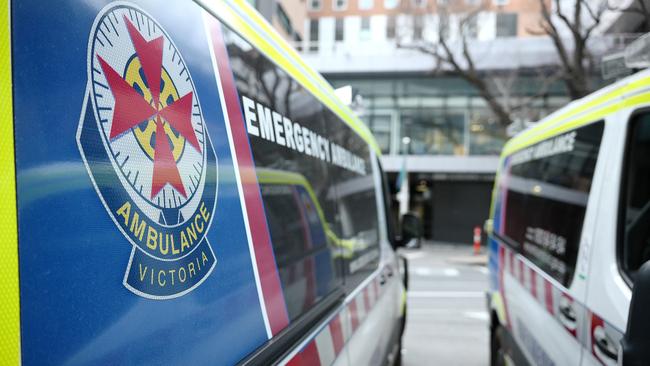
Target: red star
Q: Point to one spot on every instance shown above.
(131, 109)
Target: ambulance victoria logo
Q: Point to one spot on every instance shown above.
(147, 151)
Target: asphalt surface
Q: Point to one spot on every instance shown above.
(447, 323)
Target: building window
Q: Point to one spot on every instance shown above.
(433, 131)
(285, 22)
(313, 34)
(500, 2)
(390, 27)
(418, 27)
(419, 3)
(340, 4)
(470, 27)
(315, 4)
(443, 27)
(473, 2)
(379, 124)
(443, 2)
(365, 29)
(366, 4)
(506, 25)
(338, 30)
(391, 4)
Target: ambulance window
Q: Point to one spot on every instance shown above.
(288, 131)
(546, 200)
(634, 228)
(358, 242)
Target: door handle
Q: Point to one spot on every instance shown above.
(605, 344)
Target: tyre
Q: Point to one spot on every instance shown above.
(497, 350)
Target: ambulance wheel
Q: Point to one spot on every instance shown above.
(398, 356)
(497, 352)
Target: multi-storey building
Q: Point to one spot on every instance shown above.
(286, 16)
(436, 125)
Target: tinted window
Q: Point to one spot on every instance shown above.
(315, 177)
(300, 246)
(547, 192)
(359, 231)
(635, 224)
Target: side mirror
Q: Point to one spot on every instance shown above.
(411, 234)
(634, 345)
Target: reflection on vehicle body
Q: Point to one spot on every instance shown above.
(303, 239)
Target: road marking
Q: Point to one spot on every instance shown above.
(478, 315)
(427, 271)
(483, 270)
(450, 272)
(446, 294)
(413, 255)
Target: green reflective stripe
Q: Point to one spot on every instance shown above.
(583, 113)
(608, 95)
(242, 18)
(9, 305)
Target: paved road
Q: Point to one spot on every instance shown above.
(447, 323)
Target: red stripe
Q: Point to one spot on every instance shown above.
(548, 296)
(377, 288)
(596, 322)
(271, 289)
(337, 334)
(533, 283)
(511, 257)
(354, 315)
(306, 357)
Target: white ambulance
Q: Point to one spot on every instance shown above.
(570, 231)
(179, 188)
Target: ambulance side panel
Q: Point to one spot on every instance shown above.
(616, 253)
(539, 274)
(226, 213)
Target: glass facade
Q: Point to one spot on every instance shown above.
(441, 115)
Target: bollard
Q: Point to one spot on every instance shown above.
(477, 240)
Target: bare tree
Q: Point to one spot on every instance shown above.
(455, 55)
(640, 8)
(571, 30)
(570, 33)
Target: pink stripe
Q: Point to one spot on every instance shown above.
(337, 334)
(366, 300)
(271, 289)
(354, 315)
(522, 273)
(511, 258)
(548, 296)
